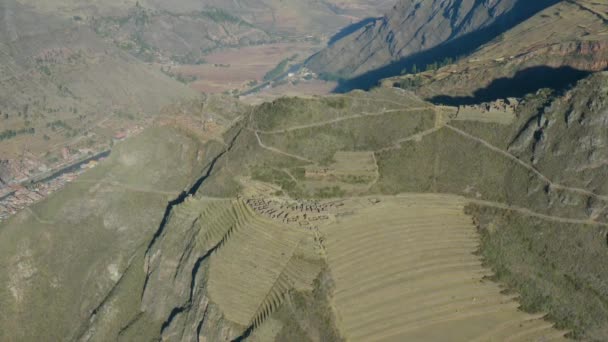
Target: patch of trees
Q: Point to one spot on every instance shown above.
(10, 133)
(58, 124)
(429, 67)
(330, 77)
(279, 69)
(414, 80)
(185, 79)
(410, 82)
(220, 16)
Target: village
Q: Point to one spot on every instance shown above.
(28, 181)
(301, 212)
(18, 197)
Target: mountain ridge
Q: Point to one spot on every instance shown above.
(406, 36)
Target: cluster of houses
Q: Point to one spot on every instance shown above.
(14, 198)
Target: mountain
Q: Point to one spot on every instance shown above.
(555, 48)
(419, 32)
(158, 35)
(426, 209)
(65, 92)
(328, 219)
(50, 65)
(169, 31)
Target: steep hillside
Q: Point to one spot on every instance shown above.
(419, 32)
(184, 31)
(52, 64)
(159, 35)
(554, 48)
(64, 256)
(291, 17)
(38, 48)
(320, 219)
(61, 85)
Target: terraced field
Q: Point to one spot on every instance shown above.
(412, 275)
(260, 262)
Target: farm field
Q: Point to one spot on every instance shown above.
(405, 270)
(258, 266)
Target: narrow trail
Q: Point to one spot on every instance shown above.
(585, 7)
(503, 206)
(371, 99)
(376, 175)
(440, 122)
(415, 137)
(37, 217)
(527, 166)
(272, 149)
(345, 118)
(128, 188)
(529, 212)
(289, 174)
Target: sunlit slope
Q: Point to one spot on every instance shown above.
(257, 267)
(405, 269)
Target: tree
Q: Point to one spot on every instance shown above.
(415, 69)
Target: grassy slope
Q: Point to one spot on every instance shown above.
(91, 231)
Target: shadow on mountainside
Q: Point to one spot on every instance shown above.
(524, 82)
(454, 49)
(352, 28)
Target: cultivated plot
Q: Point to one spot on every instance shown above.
(405, 270)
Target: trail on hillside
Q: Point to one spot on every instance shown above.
(345, 118)
(526, 165)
